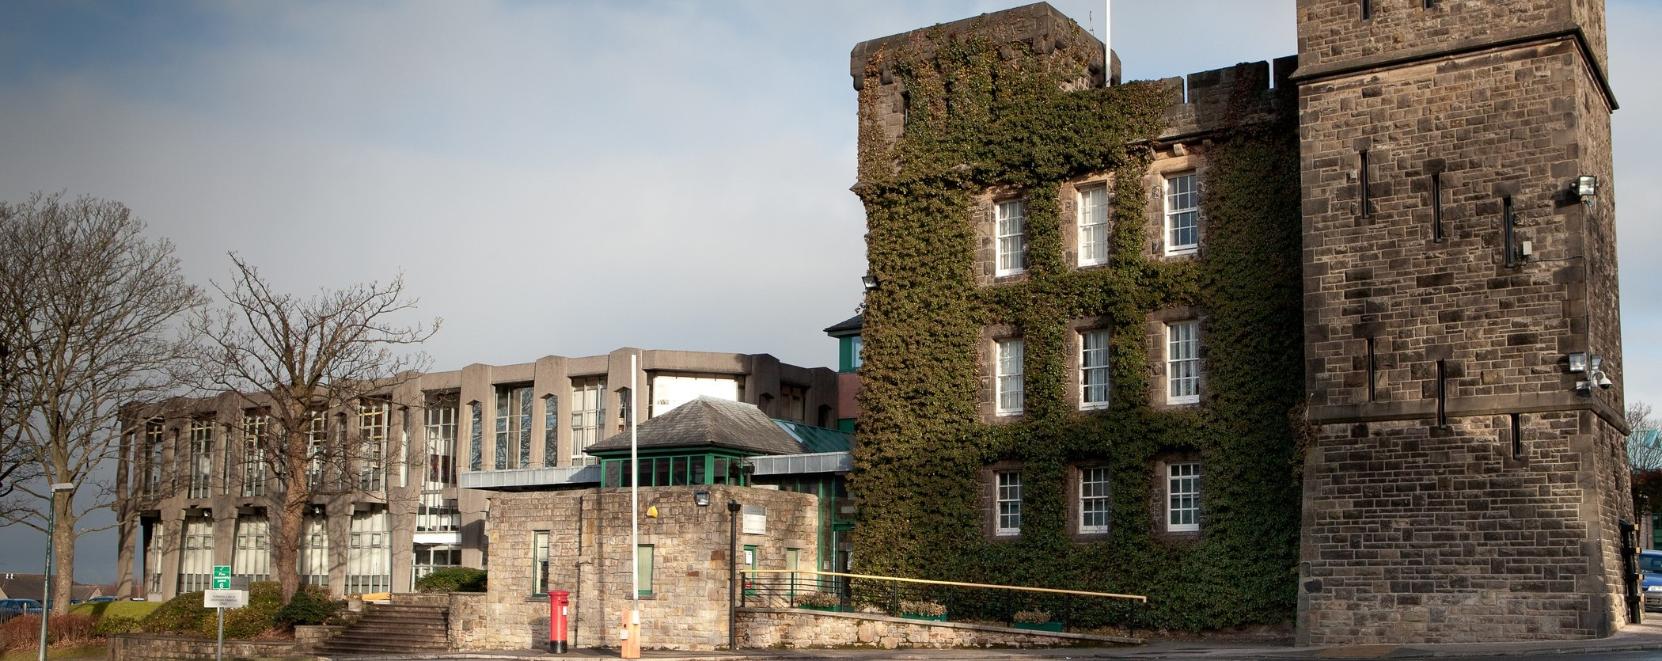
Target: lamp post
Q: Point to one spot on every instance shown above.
(46, 584)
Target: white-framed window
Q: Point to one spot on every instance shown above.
(196, 561)
(317, 449)
(1009, 377)
(314, 551)
(1093, 369)
(154, 440)
(1009, 503)
(372, 445)
(1182, 214)
(855, 345)
(1093, 501)
(1183, 362)
(1011, 231)
(1093, 226)
(252, 557)
(1183, 497)
(201, 458)
(588, 409)
(513, 427)
(254, 429)
(369, 554)
(539, 562)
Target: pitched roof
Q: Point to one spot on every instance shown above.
(707, 422)
(849, 326)
(29, 586)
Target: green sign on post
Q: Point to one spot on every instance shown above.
(222, 577)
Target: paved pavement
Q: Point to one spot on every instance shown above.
(1635, 643)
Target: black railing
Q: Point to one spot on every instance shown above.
(944, 600)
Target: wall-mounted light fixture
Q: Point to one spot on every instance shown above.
(1578, 362)
(701, 498)
(1595, 375)
(869, 280)
(1587, 188)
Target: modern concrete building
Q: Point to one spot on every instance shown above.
(199, 493)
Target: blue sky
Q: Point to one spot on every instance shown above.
(568, 177)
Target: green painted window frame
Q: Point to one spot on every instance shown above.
(672, 469)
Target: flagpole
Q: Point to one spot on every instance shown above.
(1108, 43)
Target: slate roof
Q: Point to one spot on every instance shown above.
(707, 422)
(848, 326)
(29, 586)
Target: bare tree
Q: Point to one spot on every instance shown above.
(296, 360)
(87, 302)
(1644, 451)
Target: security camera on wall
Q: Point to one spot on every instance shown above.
(1602, 379)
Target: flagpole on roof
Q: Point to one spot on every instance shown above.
(1107, 43)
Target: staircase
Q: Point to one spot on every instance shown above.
(393, 629)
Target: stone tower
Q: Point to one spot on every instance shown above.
(1460, 483)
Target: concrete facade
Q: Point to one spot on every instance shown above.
(1460, 488)
(416, 507)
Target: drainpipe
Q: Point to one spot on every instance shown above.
(732, 575)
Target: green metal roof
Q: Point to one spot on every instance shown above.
(817, 439)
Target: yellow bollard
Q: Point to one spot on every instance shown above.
(630, 633)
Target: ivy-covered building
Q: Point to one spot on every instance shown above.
(1205, 339)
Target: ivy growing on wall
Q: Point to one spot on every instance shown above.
(980, 119)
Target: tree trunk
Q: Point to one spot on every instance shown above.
(291, 518)
(63, 554)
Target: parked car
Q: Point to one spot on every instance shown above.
(100, 600)
(1650, 569)
(10, 608)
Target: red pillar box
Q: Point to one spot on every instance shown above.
(558, 606)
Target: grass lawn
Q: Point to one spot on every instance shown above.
(83, 653)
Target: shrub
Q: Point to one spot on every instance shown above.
(921, 607)
(111, 624)
(1030, 617)
(454, 579)
(180, 614)
(818, 599)
(23, 632)
(185, 614)
(311, 605)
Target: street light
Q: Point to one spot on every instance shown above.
(46, 584)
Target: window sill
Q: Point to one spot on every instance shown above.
(1093, 408)
(1008, 414)
(1183, 252)
(1183, 401)
(1001, 275)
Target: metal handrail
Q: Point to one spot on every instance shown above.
(1082, 593)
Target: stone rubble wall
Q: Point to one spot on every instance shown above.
(139, 647)
(799, 628)
(590, 557)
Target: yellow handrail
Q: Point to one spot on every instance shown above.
(1083, 593)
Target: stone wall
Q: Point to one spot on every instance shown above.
(590, 556)
(1477, 529)
(138, 647)
(797, 628)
